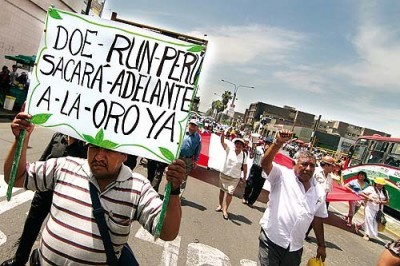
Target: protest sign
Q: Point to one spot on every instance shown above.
(114, 85)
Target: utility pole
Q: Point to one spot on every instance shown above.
(88, 6)
(295, 120)
(313, 137)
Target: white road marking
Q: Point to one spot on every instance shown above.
(15, 199)
(200, 254)
(246, 262)
(4, 186)
(171, 248)
(3, 238)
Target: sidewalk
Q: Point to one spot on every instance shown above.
(7, 114)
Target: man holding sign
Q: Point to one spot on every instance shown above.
(71, 235)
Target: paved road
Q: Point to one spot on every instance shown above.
(205, 237)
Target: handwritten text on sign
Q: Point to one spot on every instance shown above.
(114, 85)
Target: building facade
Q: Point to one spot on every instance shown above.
(22, 24)
(346, 130)
(267, 113)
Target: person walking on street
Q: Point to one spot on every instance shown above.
(323, 174)
(4, 82)
(155, 171)
(255, 182)
(376, 197)
(13, 74)
(323, 179)
(230, 176)
(71, 234)
(356, 186)
(295, 201)
(190, 150)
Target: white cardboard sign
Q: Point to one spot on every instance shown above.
(114, 85)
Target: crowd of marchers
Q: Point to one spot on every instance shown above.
(94, 195)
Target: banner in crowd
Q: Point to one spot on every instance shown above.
(114, 85)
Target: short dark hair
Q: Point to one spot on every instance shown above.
(362, 173)
(365, 175)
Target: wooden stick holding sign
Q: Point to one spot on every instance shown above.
(116, 84)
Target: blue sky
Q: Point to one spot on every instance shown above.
(339, 59)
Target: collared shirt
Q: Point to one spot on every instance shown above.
(233, 163)
(191, 145)
(325, 181)
(291, 209)
(71, 235)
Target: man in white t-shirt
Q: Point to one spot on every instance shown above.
(294, 203)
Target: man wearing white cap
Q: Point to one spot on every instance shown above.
(190, 150)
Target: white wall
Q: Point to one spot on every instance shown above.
(21, 26)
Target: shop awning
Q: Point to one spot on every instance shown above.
(23, 59)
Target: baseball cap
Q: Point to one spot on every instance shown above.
(238, 139)
(194, 122)
(268, 139)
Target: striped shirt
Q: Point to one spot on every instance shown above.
(71, 235)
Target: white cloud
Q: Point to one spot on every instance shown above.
(241, 45)
(378, 48)
(303, 79)
(364, 111)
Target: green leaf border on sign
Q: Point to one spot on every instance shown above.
(40, 119)
(163, 153)
(54, 13)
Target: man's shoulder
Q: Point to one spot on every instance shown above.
(77, 160)
(319, 173)
(126, 174)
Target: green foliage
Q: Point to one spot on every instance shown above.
(40, 119)
(100, 136)
(54, 14)
(226, 97)
(100, 141)
(108, 144)
(167, 154)
(89, 139)
(195, 49)
(218, 105)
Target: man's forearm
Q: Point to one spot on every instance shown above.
(318, 227)
(19, 179)
(172, 219)
(268, 158)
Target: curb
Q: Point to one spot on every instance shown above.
(360, 214)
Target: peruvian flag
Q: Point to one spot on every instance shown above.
(212, 155)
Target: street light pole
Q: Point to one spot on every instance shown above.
(88, 6)
(236, 88)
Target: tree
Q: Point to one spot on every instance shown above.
(226, 97)
(218, 105)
